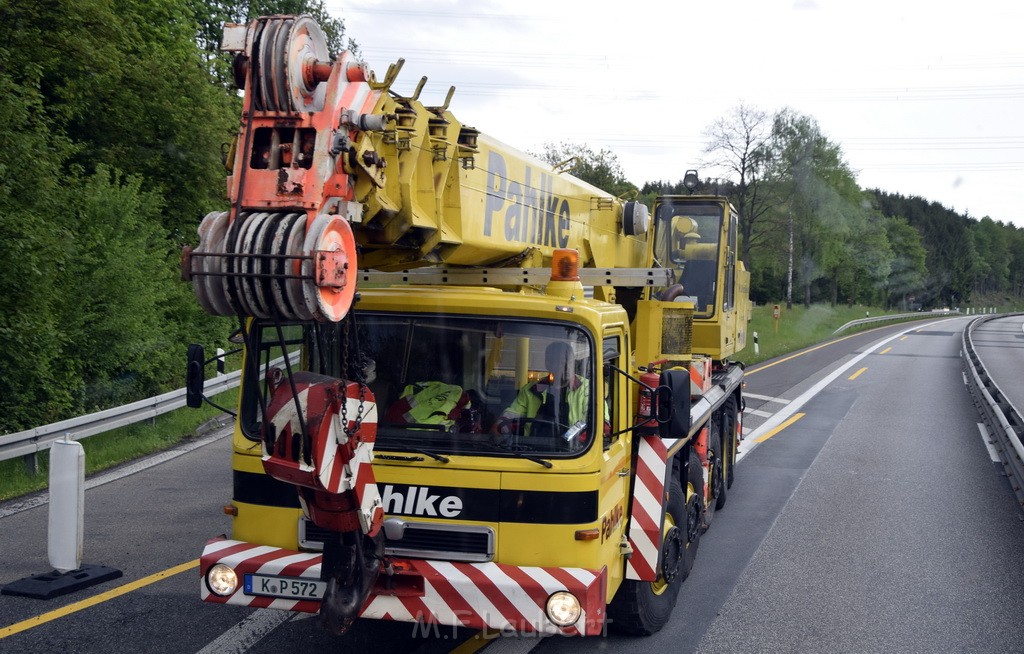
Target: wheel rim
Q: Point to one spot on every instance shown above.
(672, 550)
(692, 515)
(717, 473)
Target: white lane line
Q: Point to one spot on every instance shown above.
(105, 478)
(795, 405)
(759, 413)
(767, 398)
(248, 632)
(987, 440)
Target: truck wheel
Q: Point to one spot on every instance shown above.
(716, 474)
(723, 457)
(730, 417)
(641, 608)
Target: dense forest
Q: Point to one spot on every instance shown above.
(113, 114)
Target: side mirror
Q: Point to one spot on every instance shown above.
(195, 376)
(672, 404)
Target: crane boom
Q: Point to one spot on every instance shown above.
(332, 171)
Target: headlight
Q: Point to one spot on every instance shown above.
(563, 609)
(221, 580)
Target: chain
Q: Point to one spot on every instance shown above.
(347, 329)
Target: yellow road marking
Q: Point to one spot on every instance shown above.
(477, 642)
(18, 627)
(796, 416)
(856, 374)
(800, 354)
(885, 350)
(903, 338)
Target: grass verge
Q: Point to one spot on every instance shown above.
(801, 327)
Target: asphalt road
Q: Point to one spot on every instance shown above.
(875, 521)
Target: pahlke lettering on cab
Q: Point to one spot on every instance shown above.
(528, 209)
(417, 500)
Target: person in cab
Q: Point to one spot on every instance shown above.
(550, 404)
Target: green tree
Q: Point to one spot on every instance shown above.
(126, 82)
(34, 386)
(818, 193)
(738, 143)
(600, 169)
(908, 270)
(116, 281)
(992, 267)
(952, 260)
(89, 89)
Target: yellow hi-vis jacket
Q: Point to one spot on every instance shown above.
(532, 397)
(429, 403)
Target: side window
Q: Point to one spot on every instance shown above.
(730, 263)
(611, 349)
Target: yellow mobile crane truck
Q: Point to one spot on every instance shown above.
(473, 439)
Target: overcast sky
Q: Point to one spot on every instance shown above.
(924, 98)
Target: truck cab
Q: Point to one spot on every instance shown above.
(441, 367)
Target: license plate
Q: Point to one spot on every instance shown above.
(287, 587)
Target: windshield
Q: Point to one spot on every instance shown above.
(686, 238)
(456, 385)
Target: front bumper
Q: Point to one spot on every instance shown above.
(492, 596)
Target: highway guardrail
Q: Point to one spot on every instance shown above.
(30, 442)
(894, 316)
(1003, 420)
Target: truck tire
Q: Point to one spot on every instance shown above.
(730, 417)
(720, 466)
(716, 474)
(641, 608)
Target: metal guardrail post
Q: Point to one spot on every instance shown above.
(32, 463)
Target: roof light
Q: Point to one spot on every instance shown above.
(690, 180)
(565, 265)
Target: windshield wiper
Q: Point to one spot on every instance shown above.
(414, 450)
(395, 457)
(518, 454)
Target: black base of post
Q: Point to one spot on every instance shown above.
(54, 584)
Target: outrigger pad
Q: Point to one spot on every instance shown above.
(54, 584)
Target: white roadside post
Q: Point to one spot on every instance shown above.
(757, 350)
(67, 505)
(65, 531)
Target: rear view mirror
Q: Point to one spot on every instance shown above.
(195, 376)
(672, 403)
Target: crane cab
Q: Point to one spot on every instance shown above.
(698, 236)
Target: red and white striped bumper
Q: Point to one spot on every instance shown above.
(474, 595)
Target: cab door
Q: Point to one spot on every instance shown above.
(616, 449)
